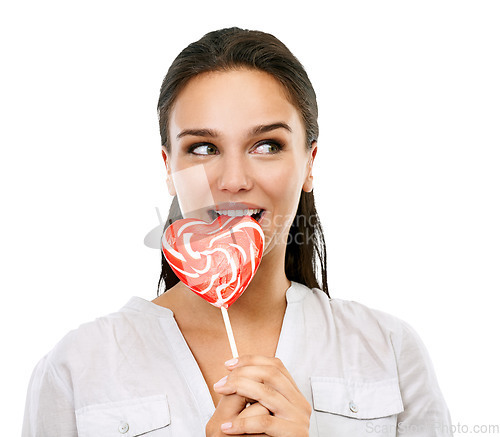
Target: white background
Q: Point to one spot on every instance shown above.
(407, 173)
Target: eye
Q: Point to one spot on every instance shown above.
(268, 147)
(203, 149)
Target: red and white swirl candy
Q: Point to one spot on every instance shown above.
(215, 260)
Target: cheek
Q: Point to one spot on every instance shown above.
(283, 188)
(283, 183)
(193, 191)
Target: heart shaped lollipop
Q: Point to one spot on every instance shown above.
(215, 260)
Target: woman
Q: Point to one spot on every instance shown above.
(238, 124)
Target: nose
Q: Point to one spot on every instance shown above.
(234, 175)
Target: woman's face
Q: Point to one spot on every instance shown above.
(238, 147)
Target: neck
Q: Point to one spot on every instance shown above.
(264, 297)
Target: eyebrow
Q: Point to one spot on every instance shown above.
(263, 128)
(198, 133)
(257, 130)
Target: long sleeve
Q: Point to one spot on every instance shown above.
(49, 408)
(426, 413)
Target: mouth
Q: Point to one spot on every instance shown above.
(256, 213)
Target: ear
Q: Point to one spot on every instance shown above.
(308, 181)
(170, 181)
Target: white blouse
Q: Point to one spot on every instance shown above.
(131, 373)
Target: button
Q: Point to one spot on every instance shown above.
(353, 407)
(123, 428)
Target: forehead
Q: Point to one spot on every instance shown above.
(232, 100)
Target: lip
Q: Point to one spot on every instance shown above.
(235, 206)
(224, 206)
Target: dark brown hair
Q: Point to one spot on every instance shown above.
(229, 49)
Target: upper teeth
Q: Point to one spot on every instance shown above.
(237, 212)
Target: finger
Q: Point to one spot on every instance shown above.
(269, 375)
(230, 406)
(227, 410)
(275, 392)
(265, 394)
(267, 425)
(260, 360)
(254, 409)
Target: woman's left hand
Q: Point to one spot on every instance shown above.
(268, 382)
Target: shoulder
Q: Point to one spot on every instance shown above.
(353, 323)
(379, 339)
(101, 340)
(89, 366)
(351, 319)
(373, 323)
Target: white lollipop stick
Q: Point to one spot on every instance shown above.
(229, 331)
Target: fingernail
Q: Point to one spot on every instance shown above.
(231, 362)
(220, 382)
(225, 426)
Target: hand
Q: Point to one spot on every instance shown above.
(267, 381)
(230, 408)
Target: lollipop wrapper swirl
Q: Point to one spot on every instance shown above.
(215, 260)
